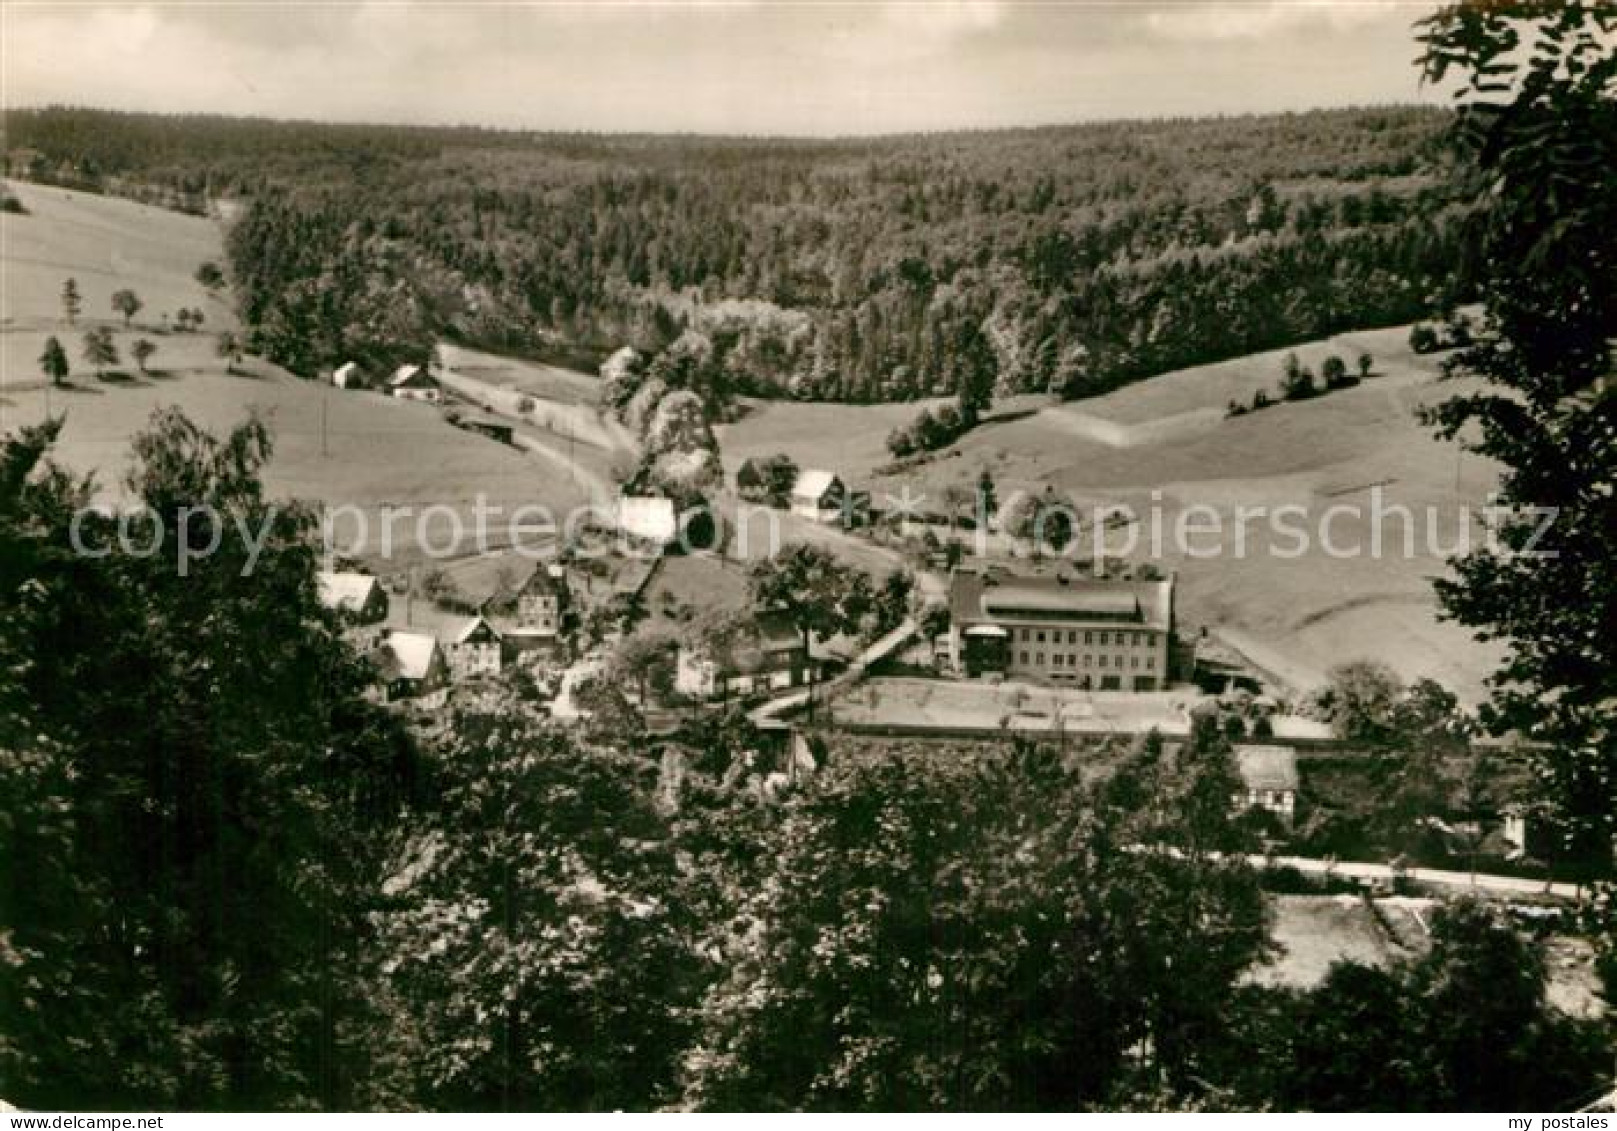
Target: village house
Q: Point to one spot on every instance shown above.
(348, 376)
(409, 665)
(476, 648)
(769, 654)
(820, 495)
(531, 615)
(649, 518)
(414, 383)
(1268, 780)
(1109, 635)
(358, 597)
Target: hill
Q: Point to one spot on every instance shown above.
(332, 447)
(1070, 259)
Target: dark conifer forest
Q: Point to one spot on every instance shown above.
(1067, 259)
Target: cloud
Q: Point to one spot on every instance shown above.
(1220, 22)
(802, 67)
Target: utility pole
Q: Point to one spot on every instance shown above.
(325, 399)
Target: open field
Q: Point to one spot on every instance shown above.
(106, 245)
(337, 448)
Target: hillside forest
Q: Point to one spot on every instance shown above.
(1067, 260)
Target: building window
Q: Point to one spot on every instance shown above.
(1058, 659)
(1039, 659)
(1072, 636)
(1103, 661)
(1103, 638)
(1089, 638)
(1041, 638)
(1134, 661)
(1023, 656)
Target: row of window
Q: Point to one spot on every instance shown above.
(1037, 635)
(1071, 659)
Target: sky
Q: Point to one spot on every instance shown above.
(707, 66)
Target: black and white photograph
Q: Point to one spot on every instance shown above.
(698, 556)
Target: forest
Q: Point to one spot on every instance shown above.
(1066, 260)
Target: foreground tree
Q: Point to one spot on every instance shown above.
(142, 352)
(533, 948)
(1538, 122)
(976, 932)
(193, 791)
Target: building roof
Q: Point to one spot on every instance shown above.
(410, 375)
(812, 484)
(470, 628)
(1267, 767)
(989, 597)
(768, 642)
(410, 653)
(348, 592)
(650, 517)
(347, 368)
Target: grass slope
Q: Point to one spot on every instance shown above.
(1166, 441)
(337, 448)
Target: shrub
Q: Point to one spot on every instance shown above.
(1424, 339)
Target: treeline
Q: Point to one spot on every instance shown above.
(862, 270)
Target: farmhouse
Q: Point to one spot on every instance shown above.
(531, 616)
(414, 383)
(409, 664)
(1268, 780)
(1087, 632)
(649, 518)
(819, 495)
(767, 654)
(358, 597)
(475, 649)
(348, 376)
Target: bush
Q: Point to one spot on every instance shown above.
(1424, 339)
(1260, 401)
(1235, 408)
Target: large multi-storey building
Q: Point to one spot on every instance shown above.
(1087, 632)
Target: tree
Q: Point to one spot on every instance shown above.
(976, 369)
(126, 303)
(71, 302)
(210, 276)
(1361, 701)
(533, 945)
(1047, 521)
(987, 498)
(1296, 381)
(99, 349)
(195, 813)
(53, 361)
(941, 933)
(229, 347)
(1537, 122)
(142, 351)
(1335, 372)
(1366, 365)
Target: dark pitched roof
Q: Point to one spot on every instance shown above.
(987, 597)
